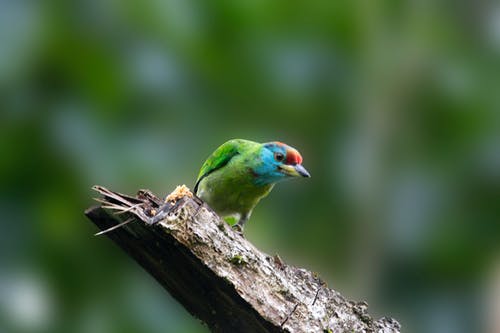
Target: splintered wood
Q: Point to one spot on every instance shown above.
(180, 192)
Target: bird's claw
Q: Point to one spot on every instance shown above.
(239, 229)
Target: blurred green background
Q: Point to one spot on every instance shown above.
(394, 106)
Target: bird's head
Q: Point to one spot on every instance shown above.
(279, 162)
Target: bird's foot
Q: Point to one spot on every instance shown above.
(239, 229)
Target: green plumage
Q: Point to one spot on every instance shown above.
(238, 174)
(226, 179)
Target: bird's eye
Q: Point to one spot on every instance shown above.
(279, 157)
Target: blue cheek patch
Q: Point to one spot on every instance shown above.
(267, 170)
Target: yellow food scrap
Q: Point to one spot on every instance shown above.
(179, 192)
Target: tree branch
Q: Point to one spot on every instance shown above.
(219, 276)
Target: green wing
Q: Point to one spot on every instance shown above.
(220, 157)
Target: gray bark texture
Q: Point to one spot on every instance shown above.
(218, 275)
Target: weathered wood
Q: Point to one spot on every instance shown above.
(219, 276)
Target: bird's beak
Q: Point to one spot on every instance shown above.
(295, 170)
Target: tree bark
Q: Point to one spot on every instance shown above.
(218, 275)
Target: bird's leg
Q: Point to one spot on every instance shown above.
(240, 226)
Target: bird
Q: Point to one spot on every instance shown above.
(239, 173)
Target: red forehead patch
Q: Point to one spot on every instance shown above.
(293, 157)
(279, 143)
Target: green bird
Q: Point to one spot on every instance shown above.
(238, 174)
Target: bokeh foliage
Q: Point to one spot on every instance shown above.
(393, 104)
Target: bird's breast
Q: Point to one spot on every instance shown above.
(230, 193)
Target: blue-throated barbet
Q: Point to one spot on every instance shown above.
(240, 172)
